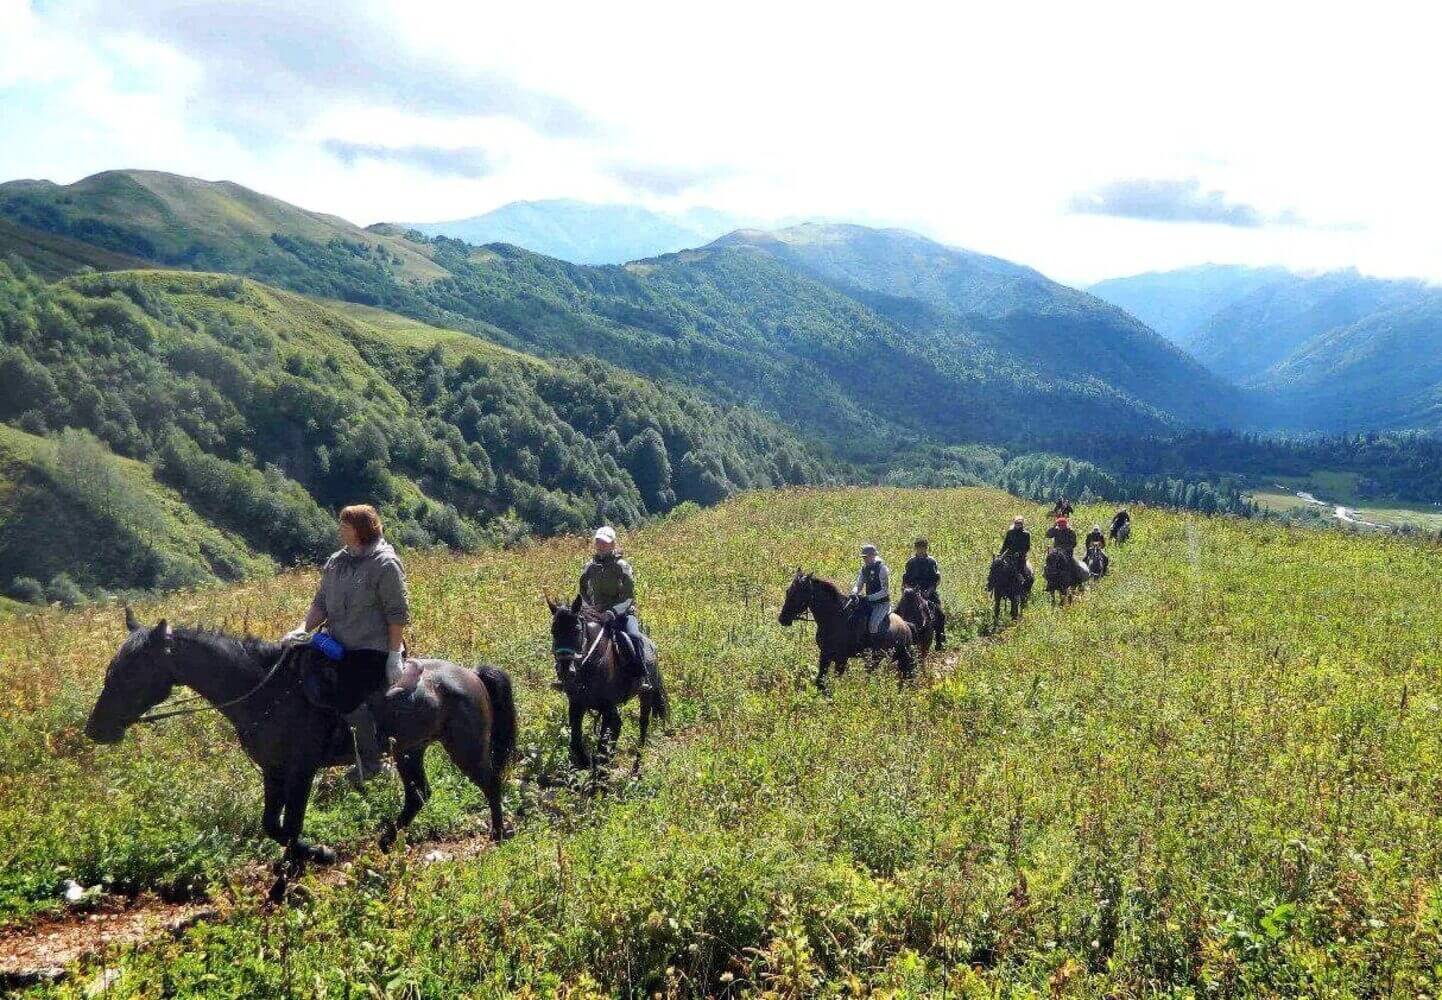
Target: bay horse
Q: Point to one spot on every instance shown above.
(1064, 576)
(258, 686)
(915, 609)
(595, 678)
(1006, 581)
(837, 638)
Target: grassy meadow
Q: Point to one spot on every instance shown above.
(1218, 774)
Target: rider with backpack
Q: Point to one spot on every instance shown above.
(924, 574)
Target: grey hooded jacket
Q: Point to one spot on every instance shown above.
(361, 594)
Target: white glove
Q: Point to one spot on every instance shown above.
(393, 666)
(295, 635)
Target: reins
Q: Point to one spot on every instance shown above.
(172, 712)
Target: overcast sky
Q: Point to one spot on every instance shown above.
(1087, 140)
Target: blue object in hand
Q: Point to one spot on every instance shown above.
(327, 644)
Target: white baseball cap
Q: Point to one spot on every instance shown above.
(606, 534)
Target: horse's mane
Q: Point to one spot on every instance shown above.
(227, 646)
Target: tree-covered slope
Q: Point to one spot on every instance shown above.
(1059, 333)
(264, 410)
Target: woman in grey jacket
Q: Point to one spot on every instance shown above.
(363, 603)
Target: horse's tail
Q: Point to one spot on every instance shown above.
(660, 700)
(503, 714)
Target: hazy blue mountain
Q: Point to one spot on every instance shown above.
(1245, 338)
(1383, 371)
(586, 233)
(1177, 303)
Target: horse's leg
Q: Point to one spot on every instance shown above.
(295, 795)
(411, 767)
(610, 734)
(270, 818)
(580, 759)
(996, 610)
(645, 728)
(468, 744)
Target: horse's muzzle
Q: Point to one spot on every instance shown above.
(782, 619)
(107, 736)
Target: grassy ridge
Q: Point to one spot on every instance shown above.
(1216, 775)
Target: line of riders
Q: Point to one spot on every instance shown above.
(363, 605)
(353, 681)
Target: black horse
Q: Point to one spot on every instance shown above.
(595, 679)
(472, 713)
(1064, 576)
(838, 636)
(1007, 581)
(916, 609)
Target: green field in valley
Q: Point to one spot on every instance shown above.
(1217, 774)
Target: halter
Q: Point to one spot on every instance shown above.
(152, 716)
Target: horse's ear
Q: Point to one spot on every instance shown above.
(550, 602)
(576, 605)
(130, 623)
(159, 634)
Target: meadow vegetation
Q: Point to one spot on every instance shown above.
(1216, 775)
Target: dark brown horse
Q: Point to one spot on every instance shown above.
(258, 687)
(1065, 577)
(838, 637)
(915, 609)
(1007, 581)
(595, 679)
(1097, 561)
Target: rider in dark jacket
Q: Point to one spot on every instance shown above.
(1062, 535)
(1121, 518)
(1062, 508)
(1016, 544)
(924, 574)
(1096, 537)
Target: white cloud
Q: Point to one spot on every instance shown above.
(977, 125)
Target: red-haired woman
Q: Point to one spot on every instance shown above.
(363, 603)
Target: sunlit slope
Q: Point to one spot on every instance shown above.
(1214, 773)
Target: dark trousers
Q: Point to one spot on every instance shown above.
(630, 627)
(359, 674)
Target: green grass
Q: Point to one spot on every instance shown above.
(1215, 775)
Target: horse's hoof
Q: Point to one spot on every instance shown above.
(387, 840)
(277, 890)
(321, 855)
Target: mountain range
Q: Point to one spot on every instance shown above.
(197, 372)
(1338, 351)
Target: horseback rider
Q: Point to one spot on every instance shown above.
(1062, 536)
(1120, 518)
(924, 574)
(1015, 545)
(1096, 537)
(1062, 508)
(364, 605)
(871, 595)
(608, 584)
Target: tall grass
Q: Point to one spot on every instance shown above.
(1217, 775)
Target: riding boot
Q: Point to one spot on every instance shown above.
(368, 763)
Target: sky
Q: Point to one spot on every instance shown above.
(1087, 140)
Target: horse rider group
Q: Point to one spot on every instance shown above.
(363, 606)
(1063, 536)
(871, 594)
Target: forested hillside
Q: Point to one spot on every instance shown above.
(1177, 303)
(264, 410)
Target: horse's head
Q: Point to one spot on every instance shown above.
(568, 632)
(798, 598)
(911, 601)
(139, 678)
